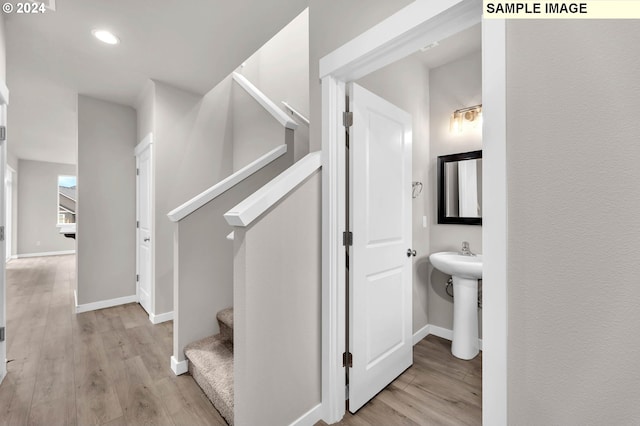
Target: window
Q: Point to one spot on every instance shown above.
(66, 199)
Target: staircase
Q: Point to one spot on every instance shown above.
(211, 365)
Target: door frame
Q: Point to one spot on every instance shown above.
(4, 104)
(8, 196)
(417, 25)
(147, 142)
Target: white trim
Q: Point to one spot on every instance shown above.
(157, 319)
(266, 103)
(311, 417)
(45, 253)
(203, 198)
(297, 113)
(179, 367)
(494, 223)
(261, 200)
(94, 306)
(144, 143)
(75, 297)
(4, 94)
(401, 34)
(417, 25)
(147, 143)
(333, 259)
(421, 334)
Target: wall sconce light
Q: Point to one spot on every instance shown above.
(462, 118)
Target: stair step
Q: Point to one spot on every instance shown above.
(225, 320)
(211, 365)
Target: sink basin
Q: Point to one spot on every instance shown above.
(466, 271)
(455, 264)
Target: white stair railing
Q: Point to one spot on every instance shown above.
(266, 103)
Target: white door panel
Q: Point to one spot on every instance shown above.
(144, 229)
(380, 329)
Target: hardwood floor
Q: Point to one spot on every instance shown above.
(106, 367)
(111, 366)
(438, 389)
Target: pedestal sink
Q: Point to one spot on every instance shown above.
(466, 271)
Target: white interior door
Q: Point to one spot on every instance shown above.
(144, 261)
(380, 270)
(3, 288)
(8, 196)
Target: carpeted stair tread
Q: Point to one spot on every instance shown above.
(211, 365)
(225, 320)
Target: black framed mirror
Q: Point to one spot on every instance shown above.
(460, 188)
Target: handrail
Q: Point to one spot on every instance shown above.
(261, 200)
(266, 103)
(297, 113)
(204, 197)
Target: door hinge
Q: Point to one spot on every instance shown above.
(137, 277)
(1, 233)
(347, 238)
(347, 359)
(3, 133)
(347, 119)
(137, 172)
(1, 334)
(137, 224)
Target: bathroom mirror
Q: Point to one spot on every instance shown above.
(460, 188)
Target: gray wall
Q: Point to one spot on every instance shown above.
(193, 151)
(406, 85)
(255, 131)
(332, 23)
(106, 237)
(280, 69)
(455, 85)
(573, 200)
(204, 256)
(38, 207)
(272, 287)
(145, 110)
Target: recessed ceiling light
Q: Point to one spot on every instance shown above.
(105, 36)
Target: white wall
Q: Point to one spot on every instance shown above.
(406, 85)
(455, 85)
(573, 199)
(106, 217)
(38, 207)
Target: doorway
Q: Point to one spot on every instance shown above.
(414, 27)
(144, 224)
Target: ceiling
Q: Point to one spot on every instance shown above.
(190, 44)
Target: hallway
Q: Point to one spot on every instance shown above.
(103, 367)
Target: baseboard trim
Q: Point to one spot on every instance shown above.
(45, 253)
(157, 319)
(421, 334)
(94, 306)
(428, 329)
(311, 417)
(179, 367)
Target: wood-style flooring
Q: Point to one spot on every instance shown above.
(106, 367)
(111, 366)
(438, 389)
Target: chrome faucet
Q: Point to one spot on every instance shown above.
(465, 249)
